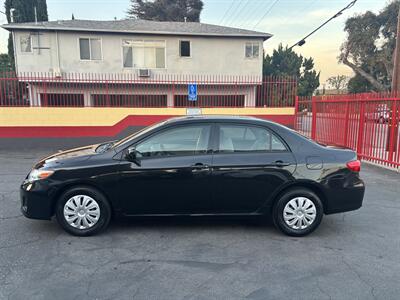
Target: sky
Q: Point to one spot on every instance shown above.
(287, 20)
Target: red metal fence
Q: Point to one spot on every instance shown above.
(366, 123)
(130, 90)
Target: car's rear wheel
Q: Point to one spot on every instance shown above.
(83, 211)
(298, 212)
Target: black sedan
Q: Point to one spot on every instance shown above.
(196, 166)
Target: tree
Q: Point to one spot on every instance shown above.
(338, 82)
(285, 62)
(23, 11)
(5, 63)
(370, 44)
(166, 10)
(358, 84)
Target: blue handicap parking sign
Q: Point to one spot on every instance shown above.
(192, 92)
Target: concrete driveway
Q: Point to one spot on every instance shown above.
(355, 255)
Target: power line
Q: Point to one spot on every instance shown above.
(233, 10)
(267, 7)
(226, 12)
(266, 13)
(252, 13)
(237, 9)
(240, 11)
(307, 7)
(303, 40)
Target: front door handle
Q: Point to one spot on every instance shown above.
(280, 163)
(200, 167)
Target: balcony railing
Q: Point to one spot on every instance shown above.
(130, 90)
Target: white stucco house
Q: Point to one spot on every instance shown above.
(139, 53)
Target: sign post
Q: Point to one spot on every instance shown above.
(192, 96)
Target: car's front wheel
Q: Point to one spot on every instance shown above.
(298, 212)
(83, 211)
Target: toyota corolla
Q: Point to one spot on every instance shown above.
(196, 166)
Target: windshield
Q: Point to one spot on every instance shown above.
(137, 133)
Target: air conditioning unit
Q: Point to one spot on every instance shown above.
(144, 73)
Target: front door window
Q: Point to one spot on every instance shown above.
(180, 141)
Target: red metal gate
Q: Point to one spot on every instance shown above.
(366, 123)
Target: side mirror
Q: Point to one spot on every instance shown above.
(131, 155)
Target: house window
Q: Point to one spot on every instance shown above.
(143, 54)
(90, 48)
(252, 50)
(184, 48)
(25, 43)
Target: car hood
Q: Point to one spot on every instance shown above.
(68, 156)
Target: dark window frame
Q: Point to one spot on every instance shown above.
(190, 48)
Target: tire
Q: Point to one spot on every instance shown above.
(87, 212)
(309, 210)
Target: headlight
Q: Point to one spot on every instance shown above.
(38, 175)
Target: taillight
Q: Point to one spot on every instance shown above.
(354, 165)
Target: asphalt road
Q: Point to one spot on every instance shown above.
(355, 255)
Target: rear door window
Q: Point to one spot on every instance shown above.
(247, 139)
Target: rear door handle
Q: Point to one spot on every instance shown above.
(280, 163)
(200, 167)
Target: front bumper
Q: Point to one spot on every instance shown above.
(36, 200)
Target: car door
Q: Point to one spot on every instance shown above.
(171, 174)
(250, 164)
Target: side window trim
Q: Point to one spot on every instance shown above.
(161, 130)
(272, 133)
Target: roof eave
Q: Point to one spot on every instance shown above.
(11, 27)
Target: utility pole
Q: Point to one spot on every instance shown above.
(35, 13)
(396, 61)
(393, 132)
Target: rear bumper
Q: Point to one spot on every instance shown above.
(344, 199)
(36, 201)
